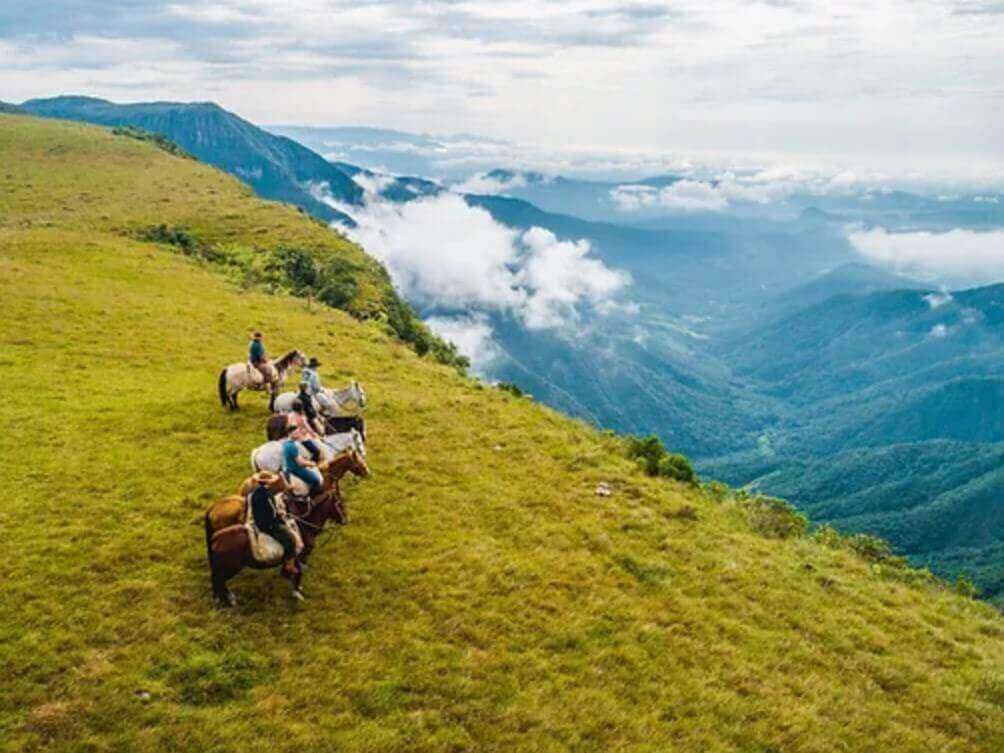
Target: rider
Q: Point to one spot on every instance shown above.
(266, 517)
(302, 430)
(314, 387)
(294, 465)
(307, 402)
(258, 357)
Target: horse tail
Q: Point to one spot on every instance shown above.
(209, 539)
(222, 384)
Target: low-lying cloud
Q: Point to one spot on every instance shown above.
(955, 257)
(457, 262)
(472, 334)
(689, 195)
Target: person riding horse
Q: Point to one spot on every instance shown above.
(306, 401)
(303, 430)
(258, 357)
(267, 519)
(305, 470)
(314, 387)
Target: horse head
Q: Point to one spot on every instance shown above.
(358, 465)
(360, 395)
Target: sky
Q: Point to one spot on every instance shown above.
(902, 85)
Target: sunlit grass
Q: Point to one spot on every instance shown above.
(483, 597)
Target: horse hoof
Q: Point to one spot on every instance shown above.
(298, 595)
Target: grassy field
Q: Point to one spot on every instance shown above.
(483, 597)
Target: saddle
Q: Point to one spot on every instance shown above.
(258, 377)
(265, 549)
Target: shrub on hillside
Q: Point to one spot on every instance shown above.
(158, 140)
(509, 387)
(774, 518)
(653, 458)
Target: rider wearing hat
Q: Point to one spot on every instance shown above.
(314, 387)
(257, 355)
(266, 517)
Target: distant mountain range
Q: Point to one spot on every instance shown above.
(762, 345)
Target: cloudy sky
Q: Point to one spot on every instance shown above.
(908, 83)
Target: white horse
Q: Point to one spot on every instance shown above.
(350, 401)
(268, 457)
(240, 376)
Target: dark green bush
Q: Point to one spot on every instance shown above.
(509, 387)
(774, 518)
(676, 466)
(652, 456)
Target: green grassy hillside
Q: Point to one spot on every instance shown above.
(483, 598)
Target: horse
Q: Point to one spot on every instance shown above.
(231, 510)
(229, 549)
(268, 457)
(350, 401)
(278, 427)
(239, 376)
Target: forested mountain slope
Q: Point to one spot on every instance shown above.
(483, 597)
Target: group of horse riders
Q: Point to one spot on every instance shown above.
(303, 423)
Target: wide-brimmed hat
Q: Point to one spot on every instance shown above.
(312, 363)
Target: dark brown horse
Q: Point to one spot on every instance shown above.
(229, 549)
(277, 426)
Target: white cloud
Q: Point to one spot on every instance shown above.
(486, 184)
(937, 300)
(939, 331)
(473, 336)
(562, 276)
(447, 255)
(713, 195)
(957, 256)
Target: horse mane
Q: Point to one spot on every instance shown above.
(286, 360)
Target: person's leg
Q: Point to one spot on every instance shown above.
(310, 477)
(281, 534)
(311, 446)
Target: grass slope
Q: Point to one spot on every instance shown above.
(482, 598)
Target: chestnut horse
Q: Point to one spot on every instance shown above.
(239, 376)
(229, 549)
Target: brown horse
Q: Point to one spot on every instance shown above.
(229, 549)
(239, 376)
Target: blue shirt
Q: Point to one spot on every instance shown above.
(257, 351)
(312, 379)
(290, 452)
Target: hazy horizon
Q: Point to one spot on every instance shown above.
(898, 87)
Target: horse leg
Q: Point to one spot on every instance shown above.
(233, 401)
(292, 572)
(219, 577)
